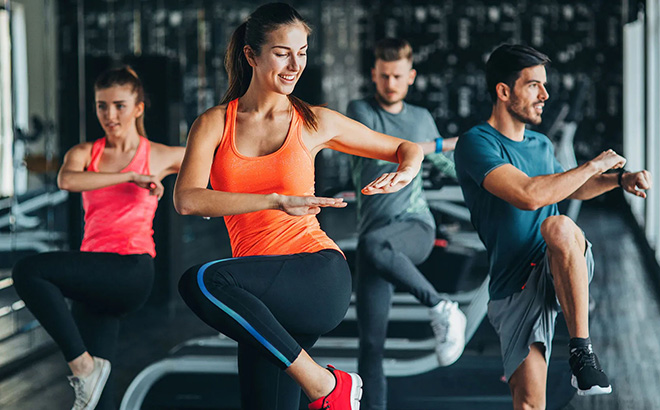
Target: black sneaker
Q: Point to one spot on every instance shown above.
(588, 377)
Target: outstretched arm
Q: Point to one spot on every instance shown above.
(191, 196)
(431, 147)
(343, 134)
(633, 182)
(530, 193)
(168, 159)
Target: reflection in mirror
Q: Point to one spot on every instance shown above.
(6, 137)
(33, 215)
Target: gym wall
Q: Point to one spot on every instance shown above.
(452, 40)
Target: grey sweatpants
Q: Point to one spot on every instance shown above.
(386, 257)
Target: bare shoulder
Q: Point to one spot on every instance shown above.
(328, 120)
(80, 150)
(325, 114)
(78, 157)
(213, 118)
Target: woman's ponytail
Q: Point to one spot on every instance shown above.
(238, 69)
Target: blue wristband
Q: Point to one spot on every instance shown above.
(438, 144)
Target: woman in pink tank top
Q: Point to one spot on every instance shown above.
(287, 283)
(119, 176)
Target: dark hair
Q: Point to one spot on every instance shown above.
(393, 49)
(253, 33)
(507, 61)
(124, 76)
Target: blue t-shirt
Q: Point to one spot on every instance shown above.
(511, 236)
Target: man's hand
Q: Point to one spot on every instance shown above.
(608, 160)
(637, 182)
(390, 182)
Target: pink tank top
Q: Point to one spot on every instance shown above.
(288, 171)
(119, 218)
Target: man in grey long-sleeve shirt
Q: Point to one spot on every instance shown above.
(397, 231)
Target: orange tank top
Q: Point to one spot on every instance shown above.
(119, 218)
(287, 171)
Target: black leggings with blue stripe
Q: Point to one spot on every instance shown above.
(273, 306)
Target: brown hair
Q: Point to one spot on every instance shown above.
(253, 32)
(393, 49)
(124, 76)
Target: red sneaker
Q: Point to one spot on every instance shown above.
(345, 396)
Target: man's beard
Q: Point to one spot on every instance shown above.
(516, 112)
(383, 101)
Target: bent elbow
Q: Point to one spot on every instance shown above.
(528, 204)
(529, 199)
(182, 206)
(63, 183)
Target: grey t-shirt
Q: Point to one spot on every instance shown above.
(413, 124)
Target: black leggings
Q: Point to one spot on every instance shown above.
(273, 306)
(102, 286)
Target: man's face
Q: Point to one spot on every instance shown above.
(392, 79)
(528, 95)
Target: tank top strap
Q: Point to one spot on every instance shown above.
(230, 125)
(296, 126)
(97, 151)
(140, 162)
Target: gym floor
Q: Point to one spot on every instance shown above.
(624, 328)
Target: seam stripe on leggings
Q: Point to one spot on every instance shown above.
(234, 315)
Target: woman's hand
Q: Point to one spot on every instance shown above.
(390, 182)
(150, 182)
(305, 205)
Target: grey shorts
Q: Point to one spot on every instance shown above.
(528, 316)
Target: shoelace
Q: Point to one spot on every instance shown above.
(441, 326)
(79, 388)
(586, 357)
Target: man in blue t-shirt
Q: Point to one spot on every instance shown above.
(539, 260)
(397, 231)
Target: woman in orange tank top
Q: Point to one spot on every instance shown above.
(119, 176)
(288, 282)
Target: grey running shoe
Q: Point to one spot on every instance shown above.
(88, 389)
(448, 323)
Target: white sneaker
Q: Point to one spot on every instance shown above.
(88, 389)
(448, 323)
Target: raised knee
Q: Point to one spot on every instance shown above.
(558, 230)
(187, 282)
